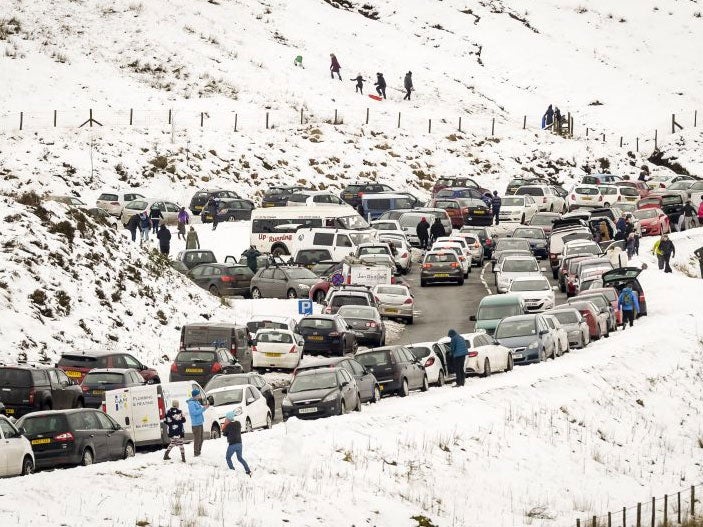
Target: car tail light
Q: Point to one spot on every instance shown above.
(334, 334)
(641, 298)
(162, 406)
(103, 407)
(454, 265)
(465, 210)
(174, 368)
(233, 350)
(253, 348)
(489, 241)
(426, 265)
(216, 368)
(84, 388)
(408, 301)
(292, 350)
(573, 196)
(461, 258)
(359, 194)
(328, 310)
(544, 199)
(114, 203)
(429, 362)
(600, 198)
(32, 393)
(370, 324)
(64, 438)
(476, 245)
(661, 185)
(404, 255)
(473, 353)
(226, 278)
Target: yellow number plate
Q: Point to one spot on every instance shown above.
(194, 370)
(45, 441)
(74, 374)
(391, 310)
(9, 411)
(315, 337)
(274, 355)
(441, 275)
(479, 212)
(98, 392)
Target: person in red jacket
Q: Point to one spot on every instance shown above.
(334, 66)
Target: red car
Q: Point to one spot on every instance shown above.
(653, 221)
(641, 187)
(597, 322)
(77, 364)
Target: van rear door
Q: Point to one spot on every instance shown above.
(139, 410)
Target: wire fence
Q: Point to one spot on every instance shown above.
(671, 509)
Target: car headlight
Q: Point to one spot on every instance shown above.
(286, 402)
(540, 244)
(304, 287)
(330, 397)
(533, 345)
(238, 411)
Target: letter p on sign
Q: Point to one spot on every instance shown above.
(305, 307)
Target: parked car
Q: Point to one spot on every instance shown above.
(101, 216)
(520, 181)
(222, 279)
(515, 266)
(313, 198)
(519, 208)
(395, 301)
(537, 239)
(435, 357)
(403, 253)
(577, 269)
(365, 380)
(462, 251)
(547, 200)
(77, 364)
(396, 369)
(100, 380)
(353, 193)
(509, 244)
(202, 364)
(15, 451)
(494, 308)
(327, 334)
(244, 401)
(455, 182)
(231, 209)
(209, 335)
(535, 291)
(484, 237)
(600, 179)
(529, 338)
(574, 324)
(201, 197)
(560, 337)
(192, 257)
(455, 209)
(113, 202)
(282, 282)
(278, 196)
(75, 437)
(474, 245)
(277, 348)
(337, 298)
(596, 320)
(238, 379)
(441, 266)
(615, 194)
(671, 204)
(485, 356)
(168, 209)
(653, 222)
(71, 201)
(640, 186)
(584, 196)
(25, 389)
(258, 322)
(544, 220)
(366, 322)
(610, 293)
(321, 393)
(604, 303)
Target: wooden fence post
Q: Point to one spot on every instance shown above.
(493, 126)
(695, 118)
(595, 522)
(55, 117)
(654, 511)
(578, 522)
(624, 517)
(639, 515)
(301, 116)
(620, 141)
(235, 122)
(637, 142)
(429, 127)
(131, 117)
(267, 120)
(335, 116)
(693, 501)
(524, 122)
(398, 119)
(604, 137)
(170, 116)
(656, 133)
(610, 520)
(674, 124)
(460, 124)
(21, 119)
(367, 116)
(587, 131)
(666, 510)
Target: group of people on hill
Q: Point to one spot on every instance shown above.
(552, 118)
(149, 222)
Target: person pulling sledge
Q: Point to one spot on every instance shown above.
(380, 85)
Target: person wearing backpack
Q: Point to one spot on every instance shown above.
(629, 305)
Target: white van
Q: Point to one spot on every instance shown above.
(339, 242)
(142, 409)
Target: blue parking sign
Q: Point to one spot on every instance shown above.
(305, 307)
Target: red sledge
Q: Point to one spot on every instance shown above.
(375, 97)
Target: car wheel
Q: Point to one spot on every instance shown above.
(376, 394)
(269, 420)
(606, 204)
(486, 368)
(555, 275)
(214, 291)
(522, 220)
(247, 426)
(607, 333)
(215, 432)
(511, 363)
(403, 390)
(87, 458)
(598, 335)
(358, 403)
(342, 408)
(27, 466)
(423, 283)
(278, 252)
(255, 293)
(410, 321)
(466, 274)
(291, 293)
(79, 403)
(319, 296)
(460, 282)
(440, 378)
(128, 450)
(425, 384)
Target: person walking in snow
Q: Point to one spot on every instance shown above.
(459, 351)
(155, 215)
(233, 432)
(133, 225)
(664, 249)
(192, 241)
(437, 230)
(164, 236)
(213, 206)
(196, 411)
(252, 254)
(380, 85)
(359, 84)
(183, 220)
(689, 215)
(144, 226)
(298, 61)
(629, 304)
(408, 83)
(334, 66)
(496, 202)
(174, 424)
(699, 254)
(548, 117)
(423, 233)
(631, 245)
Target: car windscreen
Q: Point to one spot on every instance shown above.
(528, 233)
(96, 379)
(539, 219)
(15, 378)
(582, 249)
(629, 191)
(373, 250)
(672, 200)
(519, 266)
(441, 258)
(362, 312)
(195, 356)
(409, 220)
(82, 361)
(207, 336)
(349, 300)
(644, 214)
(314, 381)
(354, 222)
(566, 317)
(227, 380)
(316, 323)
(230, 396)
(530, 285)
(300, 273)
(108, 197)
(648, 201)
(587, 191)
(499, 312)
(392, 290)
(255, 326)
(503, 244)
(608, 190)
(374, 358)
(45, 424)
(358, 238)
(512, 202)
(515, 328)
(274, 337)
(530, 191)
(598, 300)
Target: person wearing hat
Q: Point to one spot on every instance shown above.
(252, 254)
(233, 432)
(408, 83)
(196, 411)
(496, 202)
(174, 423)
(664, 249)
(423, 233)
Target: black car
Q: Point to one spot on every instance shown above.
(396, 369)
(100, 380)
(75, 437)
(237, 379)
(233, 209)
(200, 198)
(477, 213)
(327, 334)
(278, 196)
(369, 390)
(311, 257)
(352, 194)
(222, 279)
(465, 193)
(202, 364)
(483, 237)
(321, 393)
(25, 389)
(367, 322)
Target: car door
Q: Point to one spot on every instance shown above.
(87, 425)
(364, 379)
(6, 453)
(61, 395)
(416, 372)
(348, 388)
(113, 441)
(266, 285)
(548, 337)
(259, 408)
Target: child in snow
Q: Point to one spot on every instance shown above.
(233, 432)
(174, 422)
(359, 84)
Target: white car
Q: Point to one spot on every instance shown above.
(615, 194)
(16, 456)
(474, 244)
(395, 301)
(513, 267)
(403, 254)
(277, 348)
(387, 226)
(314, 198)
(584, 196)
(169, 209)
(258, 322)
(244, 401)
(546, 198)
(485, 357)
(660, 181)
(535, 291)
(560, 335)
(114, 201)
(520, 209)
(433, 356)
(461, 251)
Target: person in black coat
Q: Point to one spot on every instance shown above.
(548, 117)
(155, 215)
(213, 207)
(666, 246)
(233, 433)
(437, 230)
(423, 233)
(380, 85)
(496, 202)
(164, 236)
(174, 423)
(133, 225)
(408, 83)
(359, 84)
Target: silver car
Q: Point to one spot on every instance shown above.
(395, 301)
(574, 324)
(281, 281)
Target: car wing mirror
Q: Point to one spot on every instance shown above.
(345, 383)
(250, 400)
(472, 318)
(284, 391)
(22, 431)
(211, 400)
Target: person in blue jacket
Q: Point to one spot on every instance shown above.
(459, 351)
(496, 202)
(196, 411)
(629, 303)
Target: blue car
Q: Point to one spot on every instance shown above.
(537, 239)
(528, 336)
